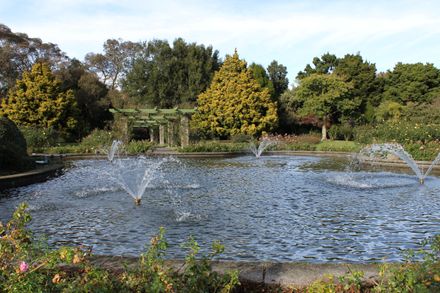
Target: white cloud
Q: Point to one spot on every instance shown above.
(262, 32)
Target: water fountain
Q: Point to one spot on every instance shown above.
(399, 151)
(133, 176)
(113, 151)
(302, 208)
(258, 149)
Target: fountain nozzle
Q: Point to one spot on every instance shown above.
(137, 201)
(422, 180)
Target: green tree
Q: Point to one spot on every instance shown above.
(13, 148)
(150, 82)
(426, 113)
(412, 83)
(362, 76)
(91, 96)
(168, 76)
(278, 77)
(235, 103)
(18, 53)
(286, 111)
(324, 65)
(325, 96)
(389, 111)
(261, 76)
(116, 61)
(37, 100)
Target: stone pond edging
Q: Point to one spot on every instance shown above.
(43, 173)
(391, 163)
(261, 274)
(30, 177)
(208, 155)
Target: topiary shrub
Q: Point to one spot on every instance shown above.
(13, 154)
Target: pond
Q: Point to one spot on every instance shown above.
(274, 208)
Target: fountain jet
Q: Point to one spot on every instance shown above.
(114, 150)
(135, 175)
(258, 150)
(398, 150)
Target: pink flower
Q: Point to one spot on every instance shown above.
(23, 267)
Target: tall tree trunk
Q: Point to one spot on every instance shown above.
(324, 129)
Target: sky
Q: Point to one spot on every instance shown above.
(290, 32)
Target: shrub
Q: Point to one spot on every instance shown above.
(241, 138)
(351, 282)
(421, 151)
(338, 146)
(138, 146)
(419, 273)
(311, 138)
(28, 267)
(215, 146)
(13, 148)
(364, 134)
(304, 142)
(38, 138)
(21, 262)
(422, 141)
(97, 140)
(389, 111)
(402, 132)
(299, 146)
(424, 113)
(341, 132)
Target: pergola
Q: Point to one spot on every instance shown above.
(165, 122)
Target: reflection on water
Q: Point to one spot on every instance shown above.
(274, 208)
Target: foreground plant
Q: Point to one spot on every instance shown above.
(29, 266)
(419, 273)
(194, 275)
(26, 266)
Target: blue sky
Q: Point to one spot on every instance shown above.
(291, 32)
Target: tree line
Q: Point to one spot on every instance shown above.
(349, 90)
(40, 86)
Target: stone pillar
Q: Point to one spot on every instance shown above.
(184, 131)
(152, 134)
(151, 131)
(171, 133)
(125, 128)
(162, 130)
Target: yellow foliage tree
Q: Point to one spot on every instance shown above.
(37, 100)
(235, 103)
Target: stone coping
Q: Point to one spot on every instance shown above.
(43, 173)
(30, 177)
(206, 154)
(266, 274)
(365, 160)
